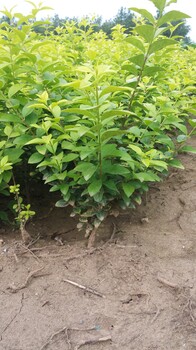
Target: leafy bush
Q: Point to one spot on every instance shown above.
(99, 118)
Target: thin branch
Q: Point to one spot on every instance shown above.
(28, 250)
(92, 342)
(66, 330)
(62, 330)
(156, 315)
(33, 242)
(91, 239)
(86, 289)
(113, 233)
(67, 338)
(31, 275)
(167, 283)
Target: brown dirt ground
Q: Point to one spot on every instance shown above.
(146, 277)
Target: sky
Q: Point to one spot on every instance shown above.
(107, 9)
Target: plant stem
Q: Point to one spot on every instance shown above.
(138, 81)
(143, 65)
(16, 196)
(99, 133)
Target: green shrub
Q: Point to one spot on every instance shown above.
(99, 118)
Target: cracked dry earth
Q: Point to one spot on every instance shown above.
(141, 285)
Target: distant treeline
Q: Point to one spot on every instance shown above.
(124, 17)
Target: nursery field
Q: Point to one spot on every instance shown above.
(97, 184)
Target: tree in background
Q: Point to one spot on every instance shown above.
(5, 19)
(124, 17)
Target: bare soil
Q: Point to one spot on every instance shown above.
(137, 290)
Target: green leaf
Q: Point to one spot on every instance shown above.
(84, 69)
(146, 31)
(41, 149)
(148, 176)
(53, 188)
(13, 154)
(35, 141)
(67, 145)
(98, 197)
(144, 13)
(84, 112)
(181, 127)
(161, 44)
(171, 2)
(176, 163)
(2, 144)
(151, 71)
(40, 141)
(64, 188)
(14, 89)
(109, 150)
(4, 216)
(10, 118)
(131, 68)
(188, 149)
(138, 200)
(109, 134)
(158, 163)
(35, 158)
(61, 204)
(114, 89)
(87, 169)
(70, 157)
(136, 149)
(40, 44)
(82, 130)
(7, 176)
(172, 16)
(4, 161)
(86, 151)
(136, 43)
(117, 112)
(138, 59)
(94, 187)
(39, 105)
(160, 4)
(26, 111)
(127, 158)
(192, 122)
(8, 130)
(116, 169)
(128, 189)
(181, 138)
(56, 111)
(135, 131)
(22, 140)
(111, 185)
